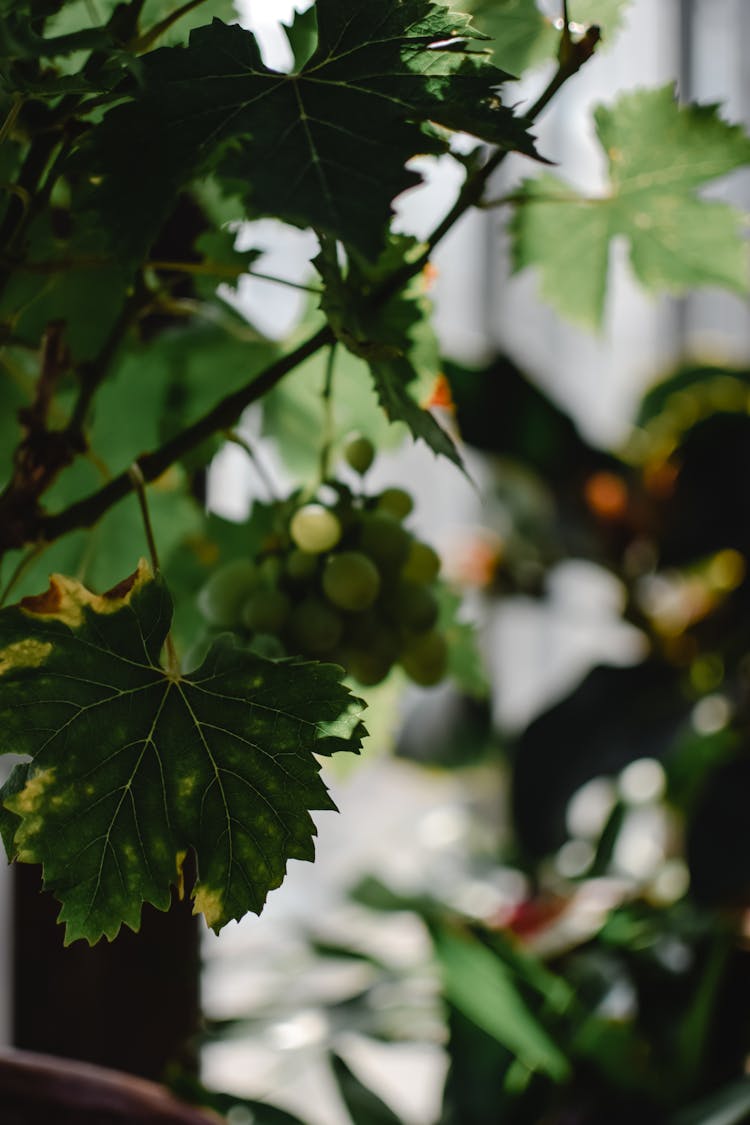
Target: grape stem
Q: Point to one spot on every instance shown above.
(325, 449)
(257, 463)
(139, 487)
(20, 569)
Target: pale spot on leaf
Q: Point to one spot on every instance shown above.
(24, 654)
(210, 903)
(29, 800)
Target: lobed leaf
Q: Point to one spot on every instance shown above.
(659, 154)
(324, 147)
(132, 764)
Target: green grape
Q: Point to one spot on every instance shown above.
(350, 580)
(270, 570)
(315, 529)
(226, 591)
(422, 563)
(265, 611)
(384, 539)
(425, 659)
(412, 606)
(395, 502)
(267, 646)
(368, 667)
(359, 453)
(314, 627)
(300, 565)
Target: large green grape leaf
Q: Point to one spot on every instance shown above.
(133, 764)
(324, 147)
(659, 154)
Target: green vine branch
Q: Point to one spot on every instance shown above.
(221, 417)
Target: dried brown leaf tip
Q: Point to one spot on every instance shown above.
(66, 599)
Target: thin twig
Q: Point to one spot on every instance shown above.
(230, 273)
(147, 40)
(257, 463)
(20, 569)
(139, 486)
(327, 438)
(10, 117)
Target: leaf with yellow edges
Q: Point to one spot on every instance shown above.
(130, 764)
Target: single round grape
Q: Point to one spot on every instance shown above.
(314, 627)
(315, 529)
(395, 502)
(369, 668)
(384, 539)
(265, 611)
(359, 453)
(226, 591)
(270, 570)
(267, 646)
(422, 563)
(425, 659)
(300, 565)
(350, 580)
(412, 606)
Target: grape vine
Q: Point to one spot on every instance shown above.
(134, 139)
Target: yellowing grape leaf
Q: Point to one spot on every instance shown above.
(659, 155)
(132, 764)
(324, 147)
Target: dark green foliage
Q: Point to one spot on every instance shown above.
(132, 764)
(324, 147)
(134, 138)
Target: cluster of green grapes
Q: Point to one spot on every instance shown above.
(343, 581)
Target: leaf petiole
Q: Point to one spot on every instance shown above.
(325, 449)
(257, 463)
(139, 487)
(20, 569)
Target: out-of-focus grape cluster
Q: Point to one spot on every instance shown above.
(341, 579)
